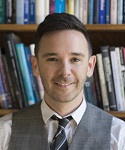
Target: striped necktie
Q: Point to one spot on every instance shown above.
(59, 141)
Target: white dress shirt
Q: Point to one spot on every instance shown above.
(117, 129)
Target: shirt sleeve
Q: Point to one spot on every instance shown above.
(5, 131)
(117, 134)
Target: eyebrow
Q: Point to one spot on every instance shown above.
(56, 54)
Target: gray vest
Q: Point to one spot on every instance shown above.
(29, 132)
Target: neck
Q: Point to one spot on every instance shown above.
(65, 108)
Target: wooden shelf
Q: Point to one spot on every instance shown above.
(114, 113)
(7, 111)
(33, 27)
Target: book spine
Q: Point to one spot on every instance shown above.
(120, 12)
(76, 8)
(102, 12)
(81, 10)
(9, 79)
(91, 9)
(8, 12)
(107, 11)
(25, 73)
(3, 102)
(96, 12)
(5, 83)
(123, 11)
(13, 73)
(97, 87)
(60, 6)
(70, 7)
(116, 77)
(52, 6)
(32, 11)
(85, 11)
(102, 82)
(40, 11)
(2, 11)
(32, 77)
(113, 12)
(26, 12)
(108, 77)
(19, 11)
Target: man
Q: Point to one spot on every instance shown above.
(63, 61)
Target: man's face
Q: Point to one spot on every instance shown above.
(63, 63)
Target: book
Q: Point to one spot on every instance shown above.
(113, 12)
(60, 6)
(108, 77)
(9, 44)
(91, 9)
(3, 102)
(26, 12)
(102, 82)
(2, 11)
(19, 11)
(102, 12)
(76, 8)
(107, 11)
(20, 51)
(10, 11)
(96, 12)
(85, 12)
(39, 82)
(32, 77)
(71, 7)
(5, 82)
(89, 90)
(32, 14)
(40, 11)
(120, 12)
(117, 80)
(97, 87)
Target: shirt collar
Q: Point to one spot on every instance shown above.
(47, 112)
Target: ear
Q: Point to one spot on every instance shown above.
(35, 66)
(91, 65)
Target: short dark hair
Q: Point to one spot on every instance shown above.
(60, 21)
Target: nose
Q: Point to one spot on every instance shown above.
(64, 69)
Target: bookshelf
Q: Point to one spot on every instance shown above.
(113, 35)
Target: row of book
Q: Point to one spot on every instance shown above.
(88, 11)
(106, 88)
(18, 86)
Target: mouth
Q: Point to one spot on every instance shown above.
(64, 84)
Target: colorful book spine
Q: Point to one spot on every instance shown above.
(102, 12)
(32, 11)
(26, 12)
(32, 77)
(19, 11)
(3, 102)
(25, 73)
(120, 12)
(70, 7)
(52, 6)
(2, 11)
(107, 11)
(5, 83)
(123, 11)
(60, 6)
(96, 12)
(91, 9)
(108, 77)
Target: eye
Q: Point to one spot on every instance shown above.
(52, 59)
(75, 60)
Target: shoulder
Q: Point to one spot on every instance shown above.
(5, 131)
(118, 133)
